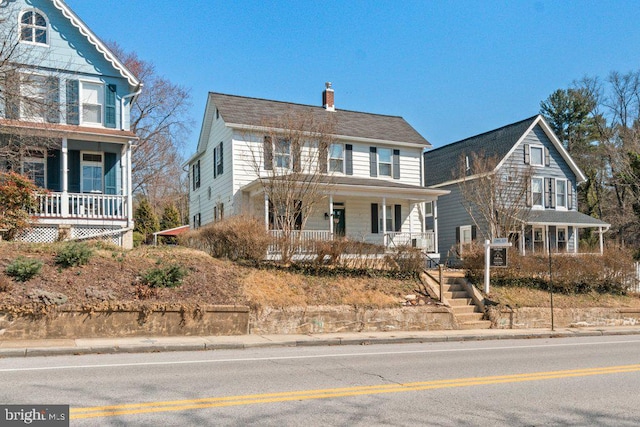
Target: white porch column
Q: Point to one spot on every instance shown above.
(129, 187)
(384, 221)
(410, 221)
(331, 215)
(601, 241)
(547, 240)
(523, 238)
(435, 225)
(266, 212)
(64, 199)
(575, 239)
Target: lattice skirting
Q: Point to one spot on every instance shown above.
(50, 234)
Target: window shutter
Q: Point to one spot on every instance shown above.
(396, 164)
(552, 192)
(298, 214)
(198, 174)
(373, 161)
(110, 173)
(527, 160)
(193, 177)
(221, 166)
(52, 100)
(74, 171)
(12, 95)
(110, 106)
(73, 102)
(374, 218)
(53, 170)
(569, 195)
(527, 200)
(323, 154)
(397, 217)
(474, 232)
(547, 157)
(348, 159)
(457, 236)
(295, 153)
(215, 162)
(268, 153)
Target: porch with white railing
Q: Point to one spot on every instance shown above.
(305, 241)
(82, 206)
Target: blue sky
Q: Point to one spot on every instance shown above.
(452, 69)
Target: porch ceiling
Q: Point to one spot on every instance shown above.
(364, 187)
(564, 218)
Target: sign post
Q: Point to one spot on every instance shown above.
(495, 255)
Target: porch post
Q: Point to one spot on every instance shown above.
(384, 221)
(64, 200)
(129, 188)
(435, 225)
(266, 212)
(601, 241)
(575, 239)
(547, 244)
(410, 222)
(523, 246)
(331, 215)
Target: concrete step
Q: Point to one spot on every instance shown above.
(459, 310)
(469, 317)
(454, 288)
(480, 324)
(460, 301)
(456, 294)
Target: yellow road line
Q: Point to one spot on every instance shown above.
(179, 405)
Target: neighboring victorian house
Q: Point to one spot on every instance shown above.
(64, 122)
(529, 154)
(369, 175)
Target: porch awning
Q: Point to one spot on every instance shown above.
(365, 187)
(564, 218)
(69, 131)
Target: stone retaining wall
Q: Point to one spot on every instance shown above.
(325, 319)
(535, 317)
(217, 320)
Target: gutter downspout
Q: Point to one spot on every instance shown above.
(131, 95)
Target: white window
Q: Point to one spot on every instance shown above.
(537, 192)
(336, 158)
(33, 93)
(561, 193)
(91, 168)
(35, 169)
(33, 27)
(538, 239)
(466, 237)
(282, 153)
(561, 239)
(428, 209)
(92, 100)
(384, 161)
(388, 211)
(536, 156)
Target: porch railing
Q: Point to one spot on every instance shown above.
(425, 241)
(81, 205)
(302, 241)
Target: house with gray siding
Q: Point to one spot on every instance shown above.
(370, 175)
(549, 217)
(64, 122)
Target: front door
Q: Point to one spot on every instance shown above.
(338, 222)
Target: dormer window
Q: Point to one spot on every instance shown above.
(33, 27)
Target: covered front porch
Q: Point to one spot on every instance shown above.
(377, 212)
(558, 231)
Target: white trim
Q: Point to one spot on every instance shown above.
(533, 204)
(342, 158)
(101, 102)
(566, 195)
(94, 40)
(541, 148)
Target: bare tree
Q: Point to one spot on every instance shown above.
(497, 200)
(159, 117)
(291, 163)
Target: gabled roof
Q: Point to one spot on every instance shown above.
(240, 111)
(559, 218)
(441, 164)
(95, 41)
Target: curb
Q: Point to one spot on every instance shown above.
(313, 341)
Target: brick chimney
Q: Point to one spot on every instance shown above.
(327, 98)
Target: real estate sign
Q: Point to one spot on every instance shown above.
(498, 257)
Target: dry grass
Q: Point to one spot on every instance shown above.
(525, 297)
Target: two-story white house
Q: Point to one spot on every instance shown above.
(65, 110)
(549, 218)
(370, 175)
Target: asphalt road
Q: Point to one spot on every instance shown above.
(569, 381)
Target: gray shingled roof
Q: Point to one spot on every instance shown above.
(443, 164)
(556, 217)
(255, 112)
